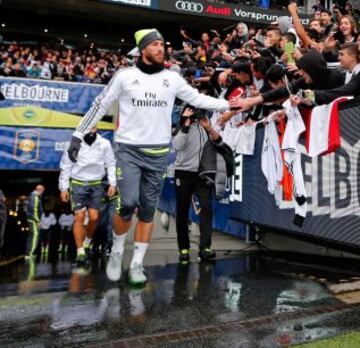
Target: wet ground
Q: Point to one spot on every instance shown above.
(241, 300)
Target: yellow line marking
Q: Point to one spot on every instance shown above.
(14, 259)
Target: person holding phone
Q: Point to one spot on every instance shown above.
(288, 44)
(346, 33)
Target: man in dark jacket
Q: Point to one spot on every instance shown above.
(350, 61)
(3, 217)
(314, 75)
(350, 89)
(33, 215)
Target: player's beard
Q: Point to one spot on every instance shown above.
(156, 60)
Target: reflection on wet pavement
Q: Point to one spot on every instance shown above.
(45, 305)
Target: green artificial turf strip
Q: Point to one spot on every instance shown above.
(349, 340)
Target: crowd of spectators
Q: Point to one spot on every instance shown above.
(198, 60)
(252, 63)
(64, 64)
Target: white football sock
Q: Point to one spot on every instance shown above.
(139, 253)
(118, 243)
(80, 251)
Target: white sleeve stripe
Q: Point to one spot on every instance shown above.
(89, 118)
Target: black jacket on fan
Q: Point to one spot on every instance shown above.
(323, 78)
(352, 88)
(217, 164)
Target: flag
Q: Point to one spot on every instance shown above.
(323, 129)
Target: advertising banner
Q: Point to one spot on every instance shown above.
(34, 138)
(37, 120)
(332, 185)
(31, 116)
(138, 3)
(226, 11)
(34, 148)
(75, 98)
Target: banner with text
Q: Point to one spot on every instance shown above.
(137, 3)
(34, 148)
(225, 11)
(75, 98)
(34, 138)
(332, 185)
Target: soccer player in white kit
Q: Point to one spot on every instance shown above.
(146, 95)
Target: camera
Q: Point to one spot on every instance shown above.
(197, 115)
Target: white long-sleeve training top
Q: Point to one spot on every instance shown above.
(145, 105)
(47, 221)
(66, 220)
(91, 164)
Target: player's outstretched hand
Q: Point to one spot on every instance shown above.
(242, 104)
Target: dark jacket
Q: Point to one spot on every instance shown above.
(217, 164)
(276, 51)
(323, 78)
(34, 208)
(352, 88)
(3, 218)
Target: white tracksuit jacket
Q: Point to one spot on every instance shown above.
(91, 164)
(145, 105)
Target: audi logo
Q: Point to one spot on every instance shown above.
(189, 6)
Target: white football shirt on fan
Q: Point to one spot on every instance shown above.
(292, 156)
(245, 139)
(229, 134)
(47, 221)
(271, 161)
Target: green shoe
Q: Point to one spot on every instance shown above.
(81, 259)
(184, 255)
(137, 275)
(207, 254)
(87, 248)
(82, 266)
(114, 267)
